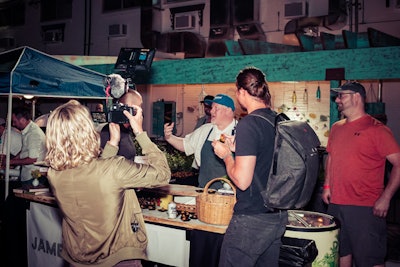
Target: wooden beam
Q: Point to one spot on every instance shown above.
(359, 64)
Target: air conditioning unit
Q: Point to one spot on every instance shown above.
(295, 9)
(184, 21)
(53, 36)
(117, 30)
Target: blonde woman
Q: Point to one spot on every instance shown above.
(102, 220)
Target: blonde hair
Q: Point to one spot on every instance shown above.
(71, 138)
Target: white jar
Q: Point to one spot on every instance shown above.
(172, 214)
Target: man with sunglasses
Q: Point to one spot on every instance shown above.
(358, 148)
(127, 145)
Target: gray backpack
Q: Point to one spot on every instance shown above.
(295, 166)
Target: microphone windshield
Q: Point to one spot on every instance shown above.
(118, 85)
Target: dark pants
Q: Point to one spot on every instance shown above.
(360, 226)
(13, 230)
(204, 248)
(253, 240)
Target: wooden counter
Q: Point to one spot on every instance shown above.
(152, 216)
(47, 199)
(158, 217)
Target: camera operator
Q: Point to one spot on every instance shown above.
(102, 221)
(127, 145)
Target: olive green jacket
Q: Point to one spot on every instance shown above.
(99, 205)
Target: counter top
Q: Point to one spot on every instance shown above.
(158, 217)
(44, 198)
(151, 216)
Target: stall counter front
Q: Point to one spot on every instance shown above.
(44, 232)
(172, 241)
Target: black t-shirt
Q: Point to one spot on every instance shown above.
(255, 137)
(126, 144)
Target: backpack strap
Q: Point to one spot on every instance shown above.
(273, 124)
(279, 117)
(274, 165)
(265, 118)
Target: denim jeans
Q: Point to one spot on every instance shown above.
(253, 240)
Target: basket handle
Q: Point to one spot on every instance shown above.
(205, 192)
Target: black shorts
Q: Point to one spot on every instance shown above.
(362, 234)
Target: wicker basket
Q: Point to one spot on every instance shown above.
(215, 208)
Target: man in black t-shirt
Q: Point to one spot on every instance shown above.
(259, 242)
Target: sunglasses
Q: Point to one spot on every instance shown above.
(340, 95)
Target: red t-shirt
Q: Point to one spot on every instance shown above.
(358, 151)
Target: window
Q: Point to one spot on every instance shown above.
(56, 10)
(53, 33)
(113, 5)
(243, 11)
(12, 13)
(219, 12)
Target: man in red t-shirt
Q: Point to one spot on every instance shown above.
(358, 148)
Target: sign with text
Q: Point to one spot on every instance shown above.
(44, 236)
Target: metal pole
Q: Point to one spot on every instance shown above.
(8, 148)
(356, 15)
(33, 109)
(350, 7)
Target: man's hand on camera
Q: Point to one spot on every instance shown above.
(136, 121)
(115, 134)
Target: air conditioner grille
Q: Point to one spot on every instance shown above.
(117, 29)
(296, 9)
(185, 22)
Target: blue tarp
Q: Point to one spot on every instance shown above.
(35, 73)
(26, 71)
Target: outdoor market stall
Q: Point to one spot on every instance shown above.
(26, 71)
(172, 241)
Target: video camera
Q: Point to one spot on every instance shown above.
(116, 87)
(116, 113)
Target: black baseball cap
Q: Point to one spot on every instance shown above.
(207, 97)
(351, 86)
